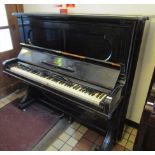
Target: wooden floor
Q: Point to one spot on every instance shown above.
(77, 137)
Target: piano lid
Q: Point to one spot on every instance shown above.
(99, 75)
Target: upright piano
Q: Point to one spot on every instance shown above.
(81, 65)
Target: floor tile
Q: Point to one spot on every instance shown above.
(134, 132)
(51, 148)
(128, 129)
(58, 143)
(77, 135)
(20, 95)
(91, 135)
(70, 131)
(64, 136)
(99, 140)
(75, 125)
(118, 147)
(66, 147)
(12, 96)
(1, 105)
(122, 142)
(72, 142)
(126, 135)
(127, 149)
(84, 145)
(129, 145)
(82, 129)
(76, 149)
(132, 138)
(5, 100)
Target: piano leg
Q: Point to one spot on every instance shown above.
(110, 137)
(108, 141)
(27, 100)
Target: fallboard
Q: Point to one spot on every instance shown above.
(96, 74)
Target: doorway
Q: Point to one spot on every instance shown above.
(9, 43)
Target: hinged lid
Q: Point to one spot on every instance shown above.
(102, 75)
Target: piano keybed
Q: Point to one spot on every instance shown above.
(60, 83)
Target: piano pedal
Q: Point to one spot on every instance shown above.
(24, 105)
(61, 115)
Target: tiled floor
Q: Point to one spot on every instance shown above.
(79, 138)
(15, 95)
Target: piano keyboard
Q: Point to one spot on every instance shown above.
(61, 84)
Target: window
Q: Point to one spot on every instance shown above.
(5, 36)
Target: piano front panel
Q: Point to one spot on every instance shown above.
(94, 37)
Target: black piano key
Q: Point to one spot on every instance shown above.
(61, 82)
(81, 89)
(90, 93)
(78, 88)
(65, 84)
(93, 93)
(101, 95)
(86, 91)
(69, 84)
(75, 87)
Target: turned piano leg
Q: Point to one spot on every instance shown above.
(110, 138)
(27, 100)
(108, 142)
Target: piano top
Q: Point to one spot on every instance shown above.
(82, 15)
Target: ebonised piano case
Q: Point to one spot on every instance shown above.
(98, 50)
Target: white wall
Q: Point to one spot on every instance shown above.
(146, 60)
(145, 66)
(138, 9)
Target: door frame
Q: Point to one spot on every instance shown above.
(7, 84)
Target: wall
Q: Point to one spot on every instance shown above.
(145, 66)
(96, 8)
(146, 60)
